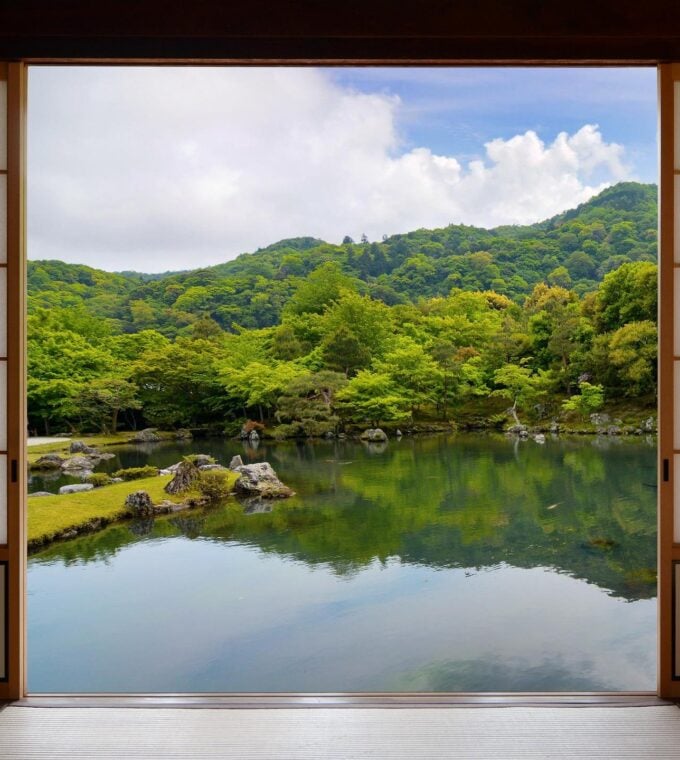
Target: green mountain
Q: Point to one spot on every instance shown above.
(575, 250)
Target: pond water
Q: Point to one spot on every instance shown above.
(445, 563)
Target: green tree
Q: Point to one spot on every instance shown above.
(372, 397)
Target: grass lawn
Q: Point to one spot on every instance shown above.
(51, 515)
(62, 447)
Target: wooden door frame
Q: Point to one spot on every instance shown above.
(15, 552)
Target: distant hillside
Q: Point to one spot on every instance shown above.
(574, 249)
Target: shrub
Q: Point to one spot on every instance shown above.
(214, 484)
(199, 459)
(99, 479)
(135, 473)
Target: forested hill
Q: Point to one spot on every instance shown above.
(574, 250)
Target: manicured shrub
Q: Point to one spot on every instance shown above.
(214, 484)
(135, 473)
(99, 479)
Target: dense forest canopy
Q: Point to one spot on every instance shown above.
(556, 316)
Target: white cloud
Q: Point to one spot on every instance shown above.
(155, 169)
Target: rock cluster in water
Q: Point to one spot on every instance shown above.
(374, 435)
(260, 480)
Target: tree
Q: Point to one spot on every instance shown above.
(101, 400)
(307, 405)
(628, 294)
(342, 350)
(414, 374)
(372, 396)
(589, 400)
(632, 352)
(520, 385)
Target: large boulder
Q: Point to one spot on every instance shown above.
(48, 462)
(139, 504)
(261, 480)
(76, 488)
(599, 418)
(185, 476)
(78, 463)
(40, 493)
(375, 435)
(148, 435)
(649, 425)
(183, 435)
(236, 462)
(78, 447)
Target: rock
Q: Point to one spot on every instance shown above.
(342, 436)
(520, 430)
(236, 462)
(539, 438)
(398, 433)
(183, 435)
(78, 463)
(139, 504)
(554, 427)
(41, 493)
(116, 480)
(208, 467)
(76, 488)
(106, 455)
(148, 435)
(329, 434)
(166, 472)
(253, 436)
(256, 506)
(649, 425)
(374, 434)
(48, 462)
(261, 480)
(185, 476)
(613, 430)
(200, 459)
(78, 447)
(599, 419)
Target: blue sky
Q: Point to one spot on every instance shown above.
(164, 168)
(456, 110)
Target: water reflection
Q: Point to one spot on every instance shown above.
(464, 563)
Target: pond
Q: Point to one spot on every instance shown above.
(442, 563)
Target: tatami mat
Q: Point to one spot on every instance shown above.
(351, 734)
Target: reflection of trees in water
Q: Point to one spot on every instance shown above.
(468, 501)
(515, 674)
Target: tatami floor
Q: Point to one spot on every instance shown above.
(436, 733)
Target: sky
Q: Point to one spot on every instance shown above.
(157, 169)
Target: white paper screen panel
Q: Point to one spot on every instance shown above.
(3, 124)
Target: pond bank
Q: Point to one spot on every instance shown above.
(64, 516)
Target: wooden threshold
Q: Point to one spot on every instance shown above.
(291, 701)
